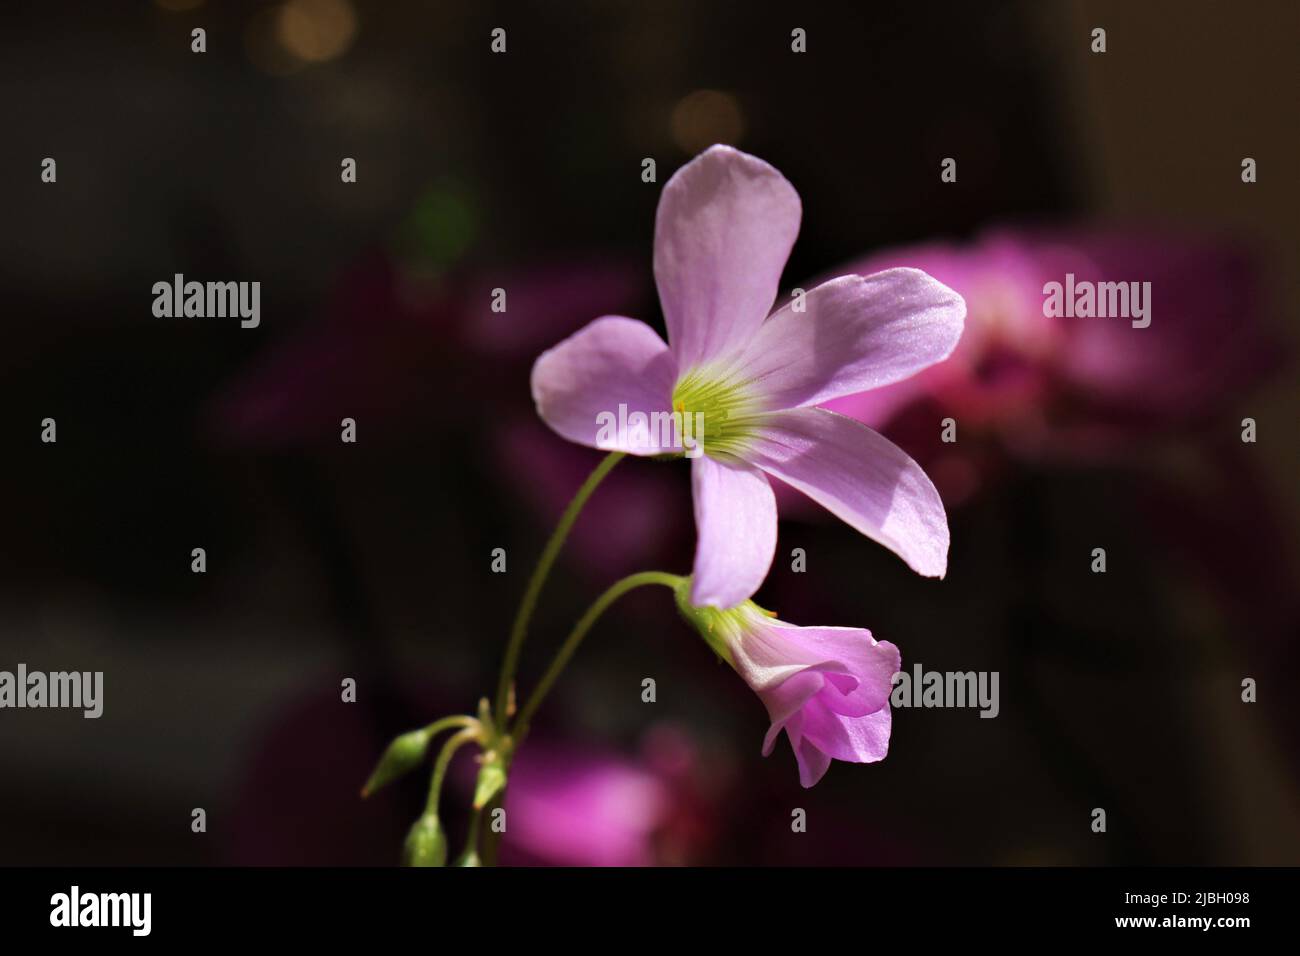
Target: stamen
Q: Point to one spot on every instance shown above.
(724, 404)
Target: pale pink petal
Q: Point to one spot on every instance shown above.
(723, 231)
(735, 520)
(610, 362)
(862, 478)
(852, 651)
(852, 671)
(854, 739)
(854, 334)
(828, 688)
(784, 702)
(813, 764)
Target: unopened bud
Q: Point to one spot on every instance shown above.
(491, 781)
(426, 844)
(403, 755)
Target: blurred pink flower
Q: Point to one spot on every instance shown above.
(1024, 385)
(394, 349)
(567, 805)
(572, 806)
(367, 355)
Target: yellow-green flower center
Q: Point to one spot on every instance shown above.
(721, 409)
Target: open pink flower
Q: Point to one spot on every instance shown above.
(827, 687)
(724, 228)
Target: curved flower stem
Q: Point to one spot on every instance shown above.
(455, 720)
(393, 763)
(593, 613)
(520, 628)
(454, 743)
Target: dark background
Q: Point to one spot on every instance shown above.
(372, 560)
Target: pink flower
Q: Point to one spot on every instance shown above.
(578, 807)
(725, 225)
(1025, 386)
(827, 687)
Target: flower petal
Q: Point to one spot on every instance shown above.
(610, 362)
(854, 739)
(860, 477)
(854, 334)
(735, 517)
(813, 764)
(723, 231)
(784, 702)
(861, 676)
(857, 671)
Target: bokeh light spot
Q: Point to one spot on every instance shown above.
(316, 30)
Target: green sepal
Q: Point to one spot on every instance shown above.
(491, 781)
(713, 624)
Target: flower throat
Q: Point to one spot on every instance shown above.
(725, 408)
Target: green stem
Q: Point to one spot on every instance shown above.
(520, 628)
(471, 839)
(446, 723)
(593, 613)
(454, 743)
(492, 836)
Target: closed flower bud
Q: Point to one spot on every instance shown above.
(491, 781)
(402, 755)
(426, 844)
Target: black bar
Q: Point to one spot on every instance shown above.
(546, 906)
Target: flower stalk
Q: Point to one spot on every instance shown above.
(570, 645)
(405, 752)
(519, 630)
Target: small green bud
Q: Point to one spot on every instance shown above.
(403, 755)
(426, 844)
(491, 781)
